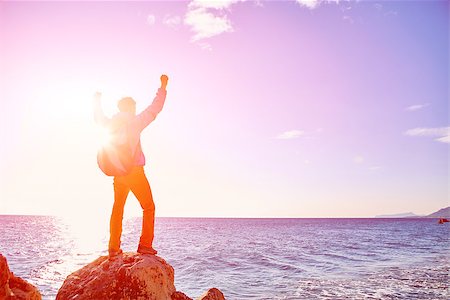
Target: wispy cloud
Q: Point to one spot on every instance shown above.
(311, 4)
(291, 134)
(172, 21)
(151, 19)
(444, 139)
(417, 107)
(378, 6)
(205, 46)
(348, 19)
(386, 13)
(215, 4)
(205, 24)
(442, 134)
(208, 18)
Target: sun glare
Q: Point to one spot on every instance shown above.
(104, 137)
(88, 235)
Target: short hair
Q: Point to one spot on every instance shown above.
(126, 103)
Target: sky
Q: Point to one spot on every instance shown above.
(274, 109)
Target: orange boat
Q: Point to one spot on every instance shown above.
(443, 220)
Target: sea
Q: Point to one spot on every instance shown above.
(250, 258)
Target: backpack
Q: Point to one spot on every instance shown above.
(116, 158)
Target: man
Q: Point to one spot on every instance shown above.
(134, 180)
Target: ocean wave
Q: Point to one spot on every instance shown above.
(424, 282)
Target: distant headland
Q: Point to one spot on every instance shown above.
(442, 213)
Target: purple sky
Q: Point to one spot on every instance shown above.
(274, 109)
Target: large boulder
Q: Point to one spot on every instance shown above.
(15, 288)
(129, 276)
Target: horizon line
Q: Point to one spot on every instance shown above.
(228, 217)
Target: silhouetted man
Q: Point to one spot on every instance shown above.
(127, 126)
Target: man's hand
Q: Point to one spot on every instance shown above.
(164, 80)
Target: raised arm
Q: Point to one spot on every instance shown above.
(149, 114)
(99, 115)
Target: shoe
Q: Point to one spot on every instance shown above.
(146, 250)
(112, 254)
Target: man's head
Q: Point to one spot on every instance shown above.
(127, 104)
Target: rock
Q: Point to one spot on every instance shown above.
(129, 276)
(5, 291)
(212, 294)
(23, 290)
(15, 288)
(180, 296)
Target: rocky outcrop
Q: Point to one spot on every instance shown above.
(128, 276)
(15, 288)
(180, 296)
(212, 294)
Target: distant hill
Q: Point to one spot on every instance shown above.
(402, 215)
(442, 213)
